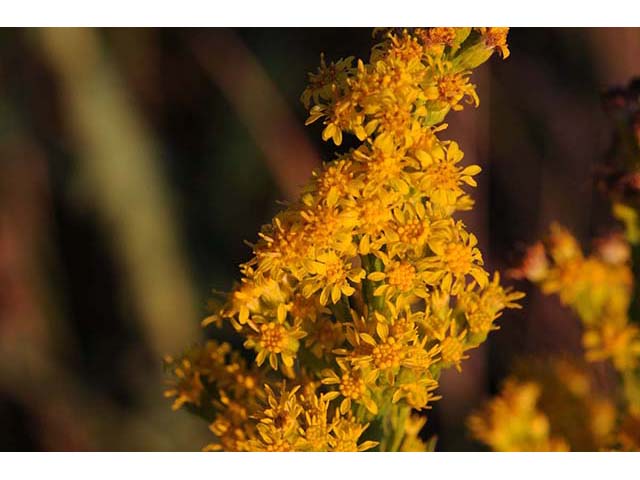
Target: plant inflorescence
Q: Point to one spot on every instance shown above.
(363, 290)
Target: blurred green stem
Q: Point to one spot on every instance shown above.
(117, 163)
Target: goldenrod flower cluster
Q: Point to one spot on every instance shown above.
(512, 422)
(551, 405)
(597, 287)
(363, 290)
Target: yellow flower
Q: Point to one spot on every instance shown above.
(336, 183)
(597, 287)
(418, 393)
(198, 363)
(328, 227)
(386, 354)
(315, 428)
(437, 38)
(276, 338)
(400, 278)
(189, 387)
(457, 257)
(450, 89)
(345, 434)
(442, 179)
(481, 308)
(496, 37)
(331, 275)
(512, 423)
(281, 247)
(452, 348)
(329, 77)
(353, 385)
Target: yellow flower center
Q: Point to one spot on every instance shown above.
(382, 166)
(317, 435)
(322, 225)
(273, 337)
(395, 121)
(334, 177)
(387, 355)
(444, 176)
(451, 88)
(458, 258)
(352, 387)
(401, 326)
(413, 232)
(335, 272)
(406, 49)
(479, 322)
(402, 276)
(374, 217)
(438, 35)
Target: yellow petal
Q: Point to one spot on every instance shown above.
(335, 293)
(282, 313)
(371, 405)
(376, 276)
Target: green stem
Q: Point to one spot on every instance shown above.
(388, 427)
(371, 263)
(399, 426)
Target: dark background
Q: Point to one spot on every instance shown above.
(135, 162)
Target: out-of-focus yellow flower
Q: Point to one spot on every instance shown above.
(584, 414)
(597, 287)
(562, 394)
(195, 366)
(511, 422)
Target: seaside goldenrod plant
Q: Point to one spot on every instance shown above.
(602, 289)
(363, 290)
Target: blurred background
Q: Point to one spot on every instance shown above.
(135, 162)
